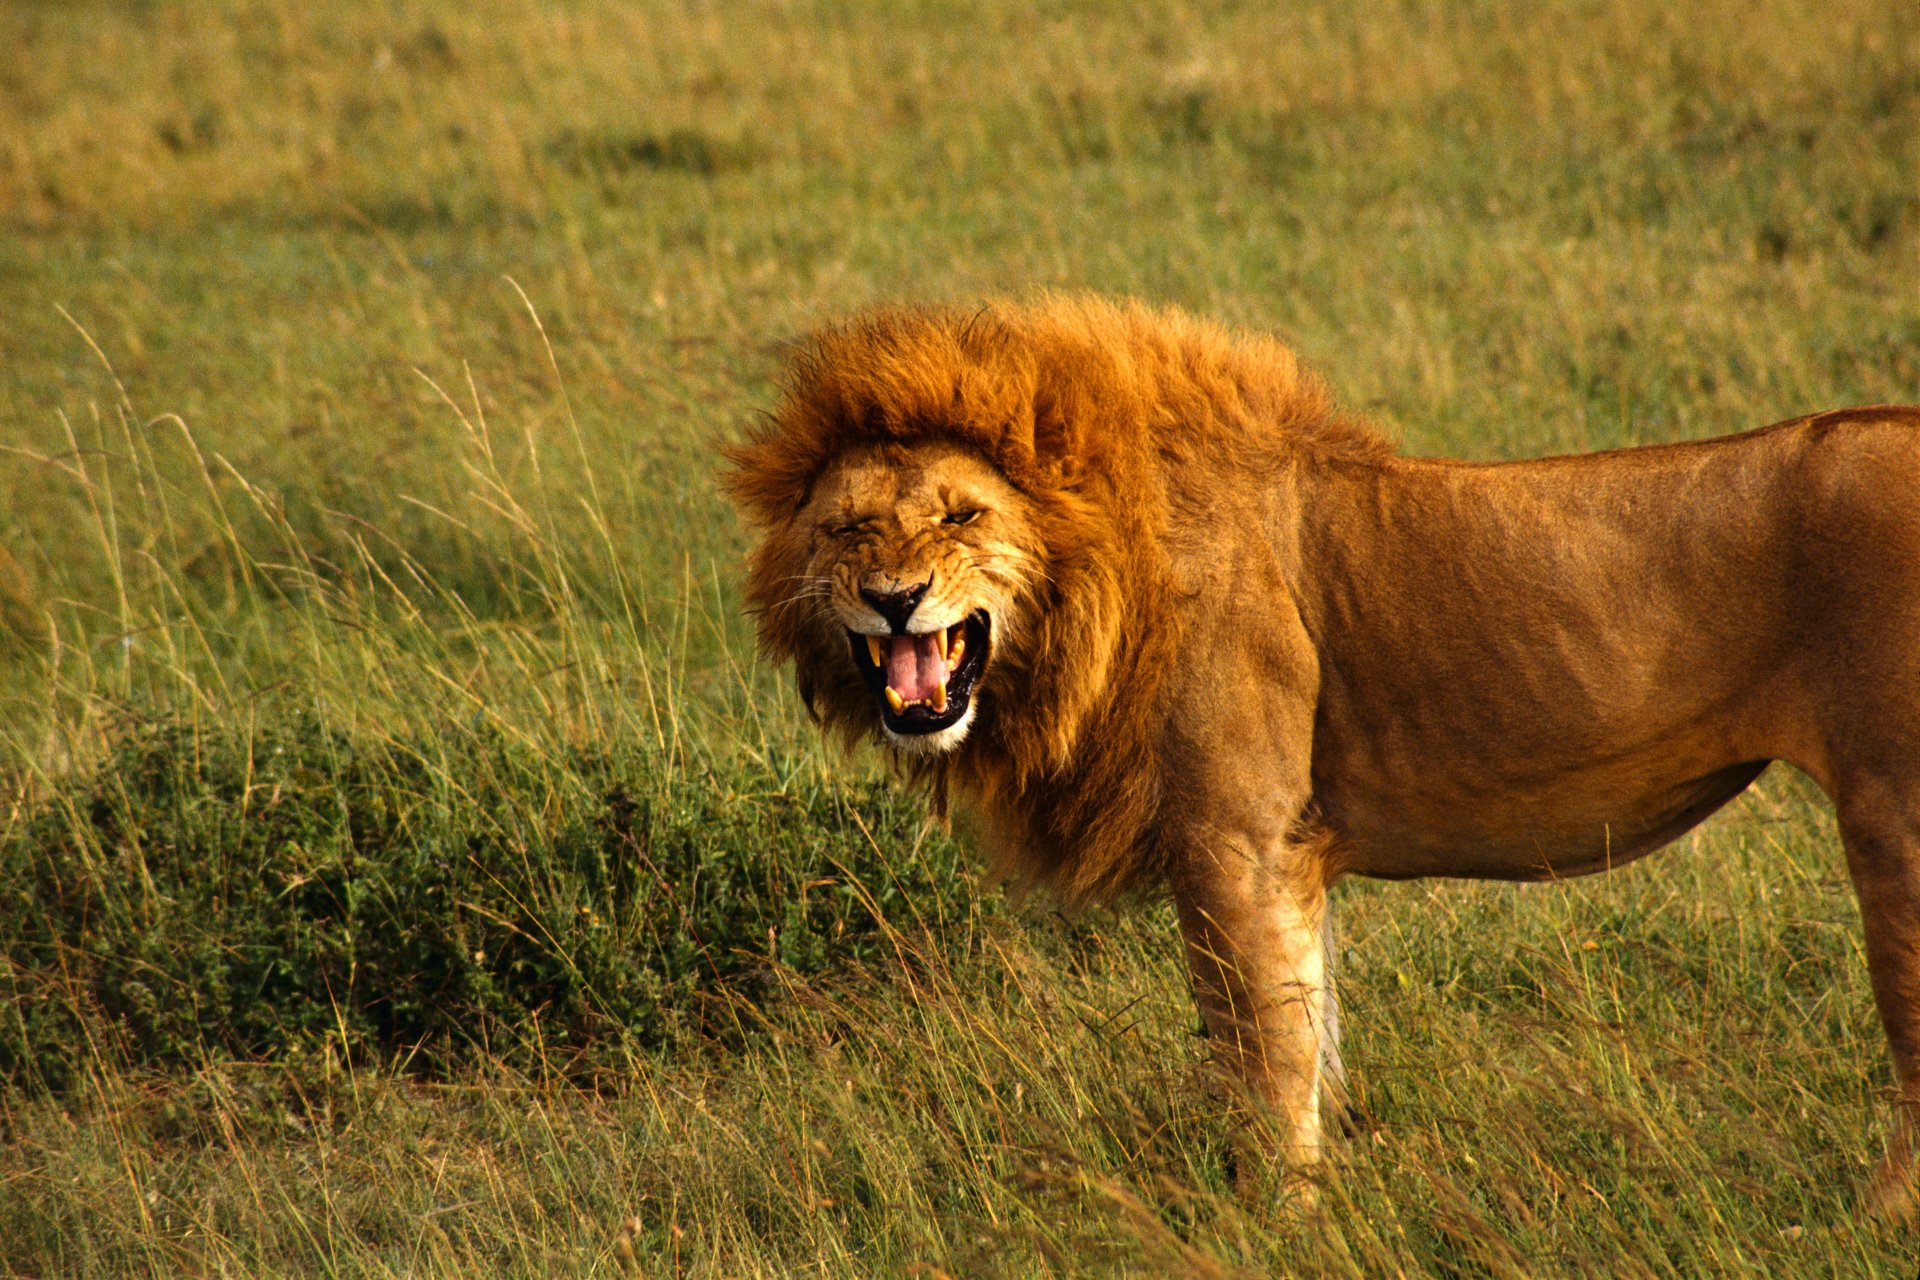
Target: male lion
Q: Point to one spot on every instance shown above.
(1129, 585)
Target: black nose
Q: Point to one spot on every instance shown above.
(896, 606)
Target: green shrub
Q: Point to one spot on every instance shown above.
(218, 892)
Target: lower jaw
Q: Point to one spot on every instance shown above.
(927, 742)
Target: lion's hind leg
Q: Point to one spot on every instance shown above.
(1880, 826)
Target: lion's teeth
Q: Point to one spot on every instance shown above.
(893, 700)
(873, 651)
(953, 654)
(940, 697)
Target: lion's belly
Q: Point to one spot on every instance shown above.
(1578, 825)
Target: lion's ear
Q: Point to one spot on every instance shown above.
(1055, 454)
(1049, 428)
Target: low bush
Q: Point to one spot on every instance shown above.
(272, 892)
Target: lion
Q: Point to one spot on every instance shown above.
(1132, 589)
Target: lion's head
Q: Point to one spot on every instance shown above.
(965, 546)
(926, 558)
(931, 558)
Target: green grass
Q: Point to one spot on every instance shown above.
(361, 368)
(208, 893)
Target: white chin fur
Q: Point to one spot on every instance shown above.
(933, 744)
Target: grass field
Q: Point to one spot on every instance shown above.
(405, 868)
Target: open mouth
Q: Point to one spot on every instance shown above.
(925, 682)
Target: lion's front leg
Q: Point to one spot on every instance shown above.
(1254, 943)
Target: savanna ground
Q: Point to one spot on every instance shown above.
(405, 867)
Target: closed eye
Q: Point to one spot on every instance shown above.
(961, 517)
(847, 530)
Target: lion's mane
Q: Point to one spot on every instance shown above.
(1090, 408)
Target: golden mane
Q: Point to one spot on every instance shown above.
(1084, 405)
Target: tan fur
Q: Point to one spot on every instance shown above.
(1242, 649)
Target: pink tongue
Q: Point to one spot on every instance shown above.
(916, 665)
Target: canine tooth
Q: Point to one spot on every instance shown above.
(893, 700)
(940, 697)
(873, 651)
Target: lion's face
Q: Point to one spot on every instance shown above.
(924, 556)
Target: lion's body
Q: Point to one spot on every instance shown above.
(1541, 669)
(1242, 649)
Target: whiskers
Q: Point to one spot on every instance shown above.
(1010, 578)
(815, 590)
